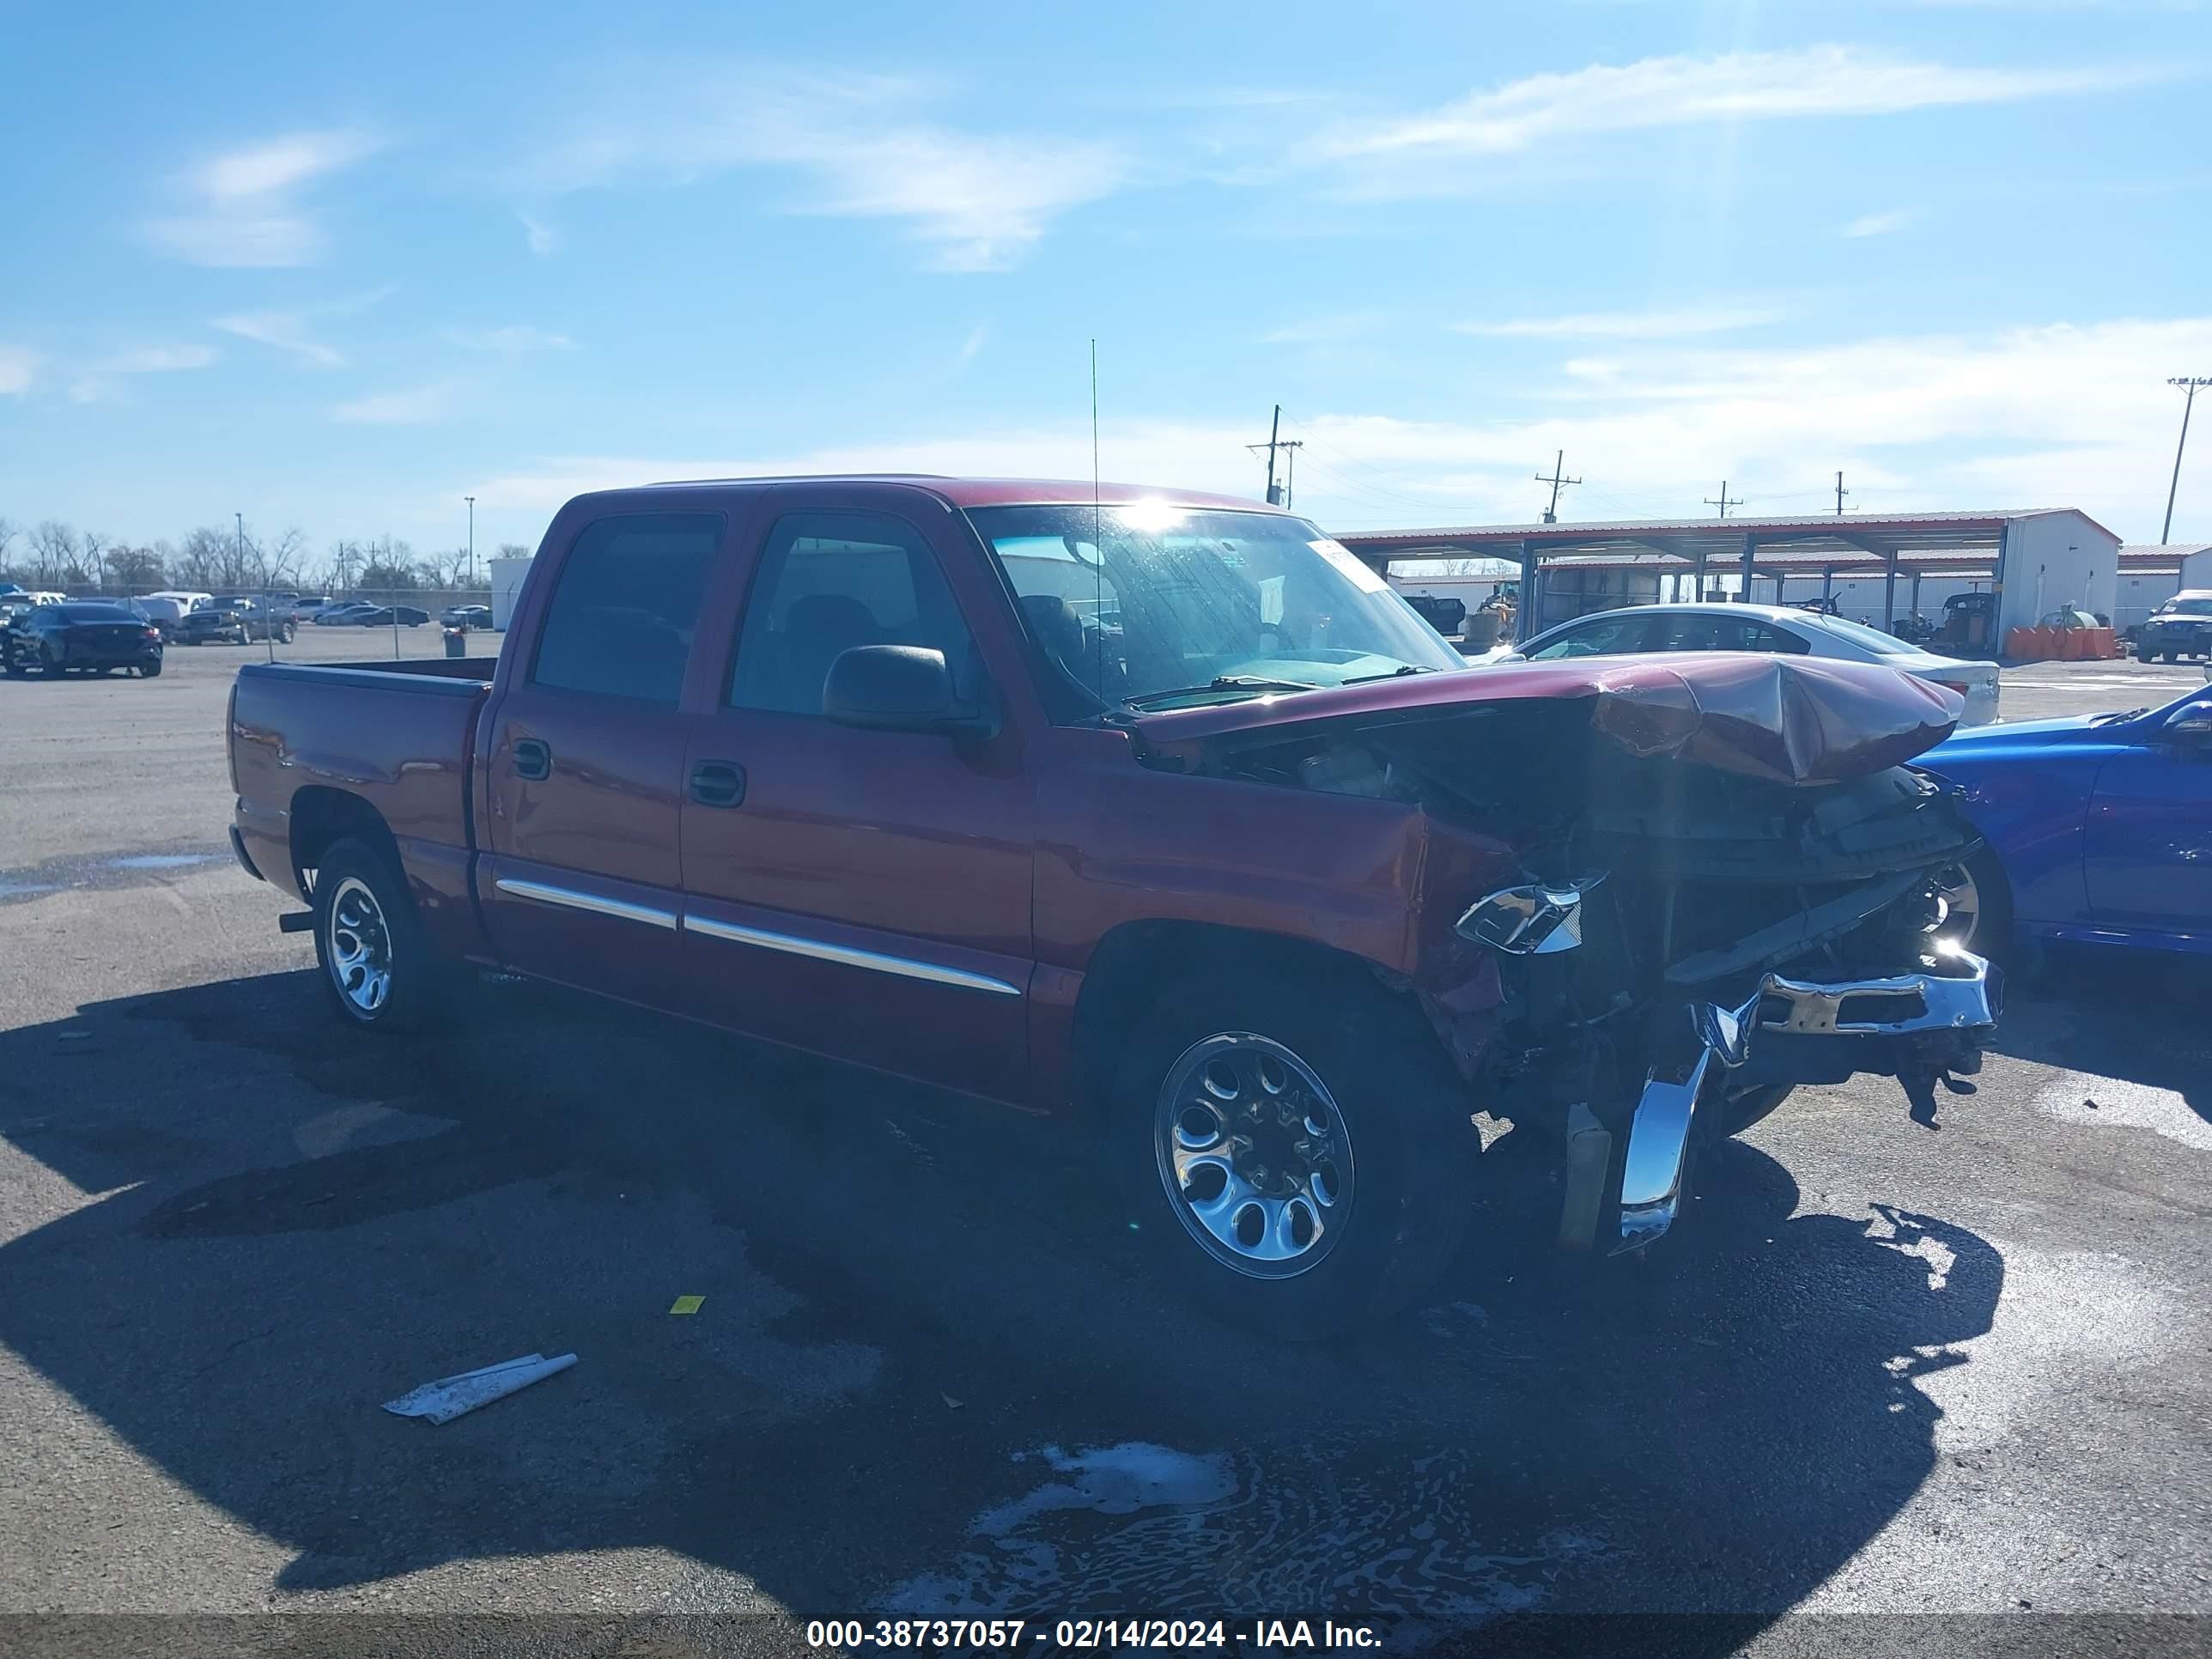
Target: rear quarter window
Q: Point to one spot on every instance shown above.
(625, 607)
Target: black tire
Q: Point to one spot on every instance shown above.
(150, 671)
(1403, 1110)
(17, 668)
(48, 667)
(1741, 1110)
(286, 634)
(416, 993)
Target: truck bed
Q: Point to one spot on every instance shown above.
(398, 736)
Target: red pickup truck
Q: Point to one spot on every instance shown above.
(1158, 811)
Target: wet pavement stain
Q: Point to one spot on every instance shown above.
(109, 871)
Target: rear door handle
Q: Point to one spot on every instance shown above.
(717, 783)
(533, 759)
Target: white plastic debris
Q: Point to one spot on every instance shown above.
(450, 1397)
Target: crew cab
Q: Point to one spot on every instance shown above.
(1158, 812)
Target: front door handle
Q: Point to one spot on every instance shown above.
(533, 759)
(717, 783)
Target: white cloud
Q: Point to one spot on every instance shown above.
(2061, 416)
(1623, 324)
(421, 406)
(1677, 91)
(1880, 224)
(18, 367)
(544, 239)
(95, 383)
(241, 208)
(514, 337)
(865, 143)
(284, 330)
(1328, 329)
(295, 332)
(976, 338)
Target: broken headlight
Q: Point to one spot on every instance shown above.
(1534, 920)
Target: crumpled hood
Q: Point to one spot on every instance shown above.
(1787, 720)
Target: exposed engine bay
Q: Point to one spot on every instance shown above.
(1714, 903)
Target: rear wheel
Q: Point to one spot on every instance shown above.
(1297, 1150)
(381, 972)
(150, 670)
(50, 664)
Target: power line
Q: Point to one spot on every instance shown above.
(2189, 384)
(1726, 500)
(1558, 478)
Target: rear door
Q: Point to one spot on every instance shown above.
(863, 894)
(585, 759)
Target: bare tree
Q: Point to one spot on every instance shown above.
(284, 563)
(512, 550)
(53, 549)
(129, 568)
(203, 560)
(8, 531)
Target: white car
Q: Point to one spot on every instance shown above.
(168, 607)
(1771, 627)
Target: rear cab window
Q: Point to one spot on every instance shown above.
(624, 609)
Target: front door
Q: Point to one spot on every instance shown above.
(585, 761)
(2147, 846)
(861, 894)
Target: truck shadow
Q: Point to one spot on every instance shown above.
(930, 1373)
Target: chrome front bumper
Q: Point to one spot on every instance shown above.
(1892, 1016)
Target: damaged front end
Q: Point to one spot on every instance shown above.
(1657, 899)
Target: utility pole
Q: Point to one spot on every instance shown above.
(1291, 448)
(1726, 500)
(1840, 493)
(1274, 442)
(2189, 384)
(1557, 478)
(471, 500)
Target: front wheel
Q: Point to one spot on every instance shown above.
(1977, 900)
(382, 974)
(50, 665)
(1297, 1150)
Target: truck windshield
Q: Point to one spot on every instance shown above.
(1154, 605)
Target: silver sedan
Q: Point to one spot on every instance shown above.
(1769, 628)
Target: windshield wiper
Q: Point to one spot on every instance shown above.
(1220, 683)
(2124, 714)
(1398, 673)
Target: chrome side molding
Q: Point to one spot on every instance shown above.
(569, 898)
(876, 961)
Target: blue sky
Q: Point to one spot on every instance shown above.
(339, 267)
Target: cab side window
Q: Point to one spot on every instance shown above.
(828, 583)
(626, 605)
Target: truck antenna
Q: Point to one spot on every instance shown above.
(1097, 538)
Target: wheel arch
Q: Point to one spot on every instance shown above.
(1135, 961)
(321, 816)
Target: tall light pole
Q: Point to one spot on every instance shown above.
(2189, 384)
(471, 500)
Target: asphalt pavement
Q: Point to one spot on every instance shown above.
(1886, 1388)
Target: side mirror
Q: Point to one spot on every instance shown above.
(901, 687)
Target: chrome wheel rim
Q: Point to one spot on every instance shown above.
(1962, 902)
(359, 947)
(1254, 1155)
